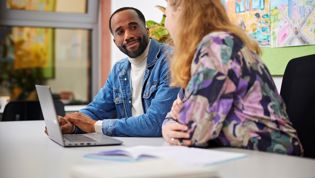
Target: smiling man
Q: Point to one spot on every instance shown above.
(137, 95)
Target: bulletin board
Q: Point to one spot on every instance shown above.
(285, 29)
(276, 59)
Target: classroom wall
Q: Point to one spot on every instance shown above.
(275, 58)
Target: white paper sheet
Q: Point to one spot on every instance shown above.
(180, 154)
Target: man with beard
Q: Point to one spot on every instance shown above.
(137, 96)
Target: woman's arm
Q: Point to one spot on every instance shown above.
(209, 93)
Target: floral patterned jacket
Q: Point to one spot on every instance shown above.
(232, 99)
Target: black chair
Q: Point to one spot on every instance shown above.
(28, 110)
(298, 92)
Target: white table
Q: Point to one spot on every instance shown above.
(25, 151)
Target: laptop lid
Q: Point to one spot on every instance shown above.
(54, 130)
(49, 113)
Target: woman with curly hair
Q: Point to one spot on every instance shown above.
(228, 97)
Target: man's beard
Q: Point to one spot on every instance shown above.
(143, 43)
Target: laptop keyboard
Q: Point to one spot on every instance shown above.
(78, 138)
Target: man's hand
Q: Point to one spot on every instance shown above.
(84, 122)
(66, 126)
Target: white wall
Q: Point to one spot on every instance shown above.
(278, 81)
(147, 7)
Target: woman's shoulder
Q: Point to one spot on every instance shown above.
(221, 40)
(217, 36)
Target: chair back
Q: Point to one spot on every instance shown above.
(28, 110)
(298, 93)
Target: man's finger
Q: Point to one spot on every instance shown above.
(62, 120)
(72, 115)
(46, 132)
(73, 120)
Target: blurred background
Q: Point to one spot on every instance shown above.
(65, 44)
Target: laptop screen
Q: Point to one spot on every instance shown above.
(49, 113)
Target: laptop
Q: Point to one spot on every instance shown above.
(54, 130)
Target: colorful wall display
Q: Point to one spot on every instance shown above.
(253, 16)
(292, 22)
(284, 28)
(278, 23)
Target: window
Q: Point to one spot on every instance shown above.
(49, 42)
(72, 6)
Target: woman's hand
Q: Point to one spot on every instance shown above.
(176, 134)
(176, 107)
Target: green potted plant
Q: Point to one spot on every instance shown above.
(157, 30)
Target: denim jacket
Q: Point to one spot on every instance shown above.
(112, 104)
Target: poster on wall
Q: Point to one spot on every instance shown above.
(37, 5)
(251, 15)
(292, 22)
(33, 47)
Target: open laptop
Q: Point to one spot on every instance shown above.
(54, 130)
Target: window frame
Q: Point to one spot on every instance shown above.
(67, 20)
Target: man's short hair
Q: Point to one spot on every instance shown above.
(139, 13)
